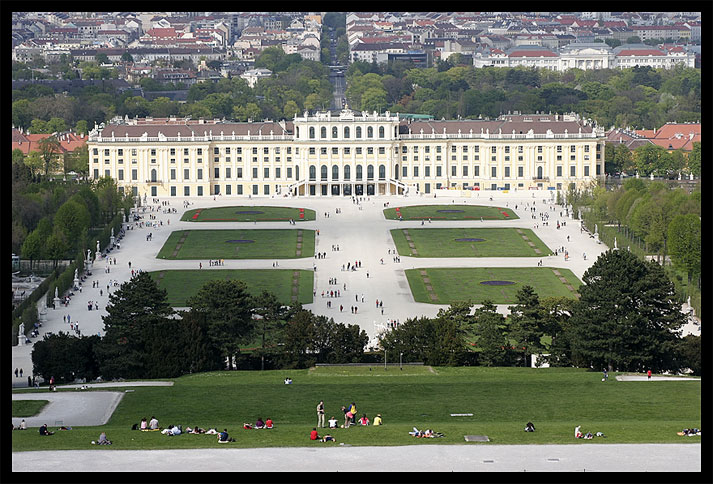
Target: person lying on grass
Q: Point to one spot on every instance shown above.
(328, 438)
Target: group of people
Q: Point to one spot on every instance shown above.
(350, 412)
(260, 424)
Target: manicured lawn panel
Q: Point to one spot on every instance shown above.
(27, 408)
(229, 214)
(215, 244)
(497, 242)
(502, 400)
(463, 284)
(183, 284)
(450, 212)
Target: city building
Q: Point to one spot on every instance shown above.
(345, 154)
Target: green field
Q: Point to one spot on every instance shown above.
(27, 408)
(453, 212)
(449, 285)
(183, 284)
(230, 214)
(497, 242)
(501, 400)
(246, 244)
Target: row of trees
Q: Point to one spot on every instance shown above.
(626, 319)
(145, 338)
(52, 219)
(640, 97)
(666, 220)
(648, 159)
(296, 85)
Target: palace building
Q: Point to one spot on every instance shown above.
(346, 154)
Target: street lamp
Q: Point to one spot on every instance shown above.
(400, 361)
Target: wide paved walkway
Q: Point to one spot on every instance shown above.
(321, 457)
(362, 233)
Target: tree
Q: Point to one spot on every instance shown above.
(70, 220)
(627, 315)
(34, 162)
(227, 309)
(490, 330)
(272, 320)
(694, 159)
(527, 321)
(684, 243)
(66, 357)
(127, 57)
(32, 247)
(689, 348)
(49, 148)
(133, 312)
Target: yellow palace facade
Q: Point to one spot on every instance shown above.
(346, 154)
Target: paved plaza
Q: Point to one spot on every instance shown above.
(362, 234)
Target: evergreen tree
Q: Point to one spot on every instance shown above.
(627, 315)
(227, 309)
(492, 341)
(133, 313)
(526, 321)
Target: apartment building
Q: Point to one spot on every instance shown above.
(345, 154)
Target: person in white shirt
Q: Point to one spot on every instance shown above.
(333, 423)
(153, 424)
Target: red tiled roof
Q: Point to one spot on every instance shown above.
(30, 142)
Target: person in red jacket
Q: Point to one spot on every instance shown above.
(648, 373)
(313, 435)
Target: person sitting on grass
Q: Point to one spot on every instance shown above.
(364, 420)
(328, 438)
(377, 420)
(223, 437)
(314, 435)
(529, 427)
(103, 440)
(23, 425)
(153, 424)
(144, 424)
(268, 423)
(333, 423)
(259, 424)
(44, 431)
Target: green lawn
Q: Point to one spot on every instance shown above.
(496, 242)
(238, 244)
(231, 214)
(27, 408)
(462, 284)
(183, 284)
(452, 212)
(501, 400)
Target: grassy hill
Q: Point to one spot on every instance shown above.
(501, 400)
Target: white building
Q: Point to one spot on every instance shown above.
(345, 154)
(254, 75)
